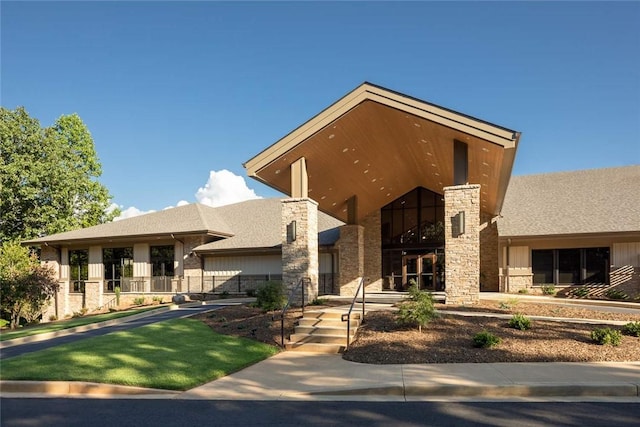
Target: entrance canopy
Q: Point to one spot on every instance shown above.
(376, 145)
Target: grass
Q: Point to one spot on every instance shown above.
(67, 324)
(176, 354)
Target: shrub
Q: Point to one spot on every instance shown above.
(53, 318)
(318, 301)
(632, 328)
(520, 321)
(548, 289)
(580, 292)
(224, 294)
(157, 299)
(3, 323)
(270, 296)
(138, 301)
(485, 339)
(419, 310)
(117, 292)
(605, 336)
(615, 294)
(509, 304)
(523, 291)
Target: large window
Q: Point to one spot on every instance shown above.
(78, 269)
(570, 266)
(162, 260)
(118, 267)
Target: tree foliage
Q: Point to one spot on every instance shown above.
(25, 285)
(48, 177)
(419, 310)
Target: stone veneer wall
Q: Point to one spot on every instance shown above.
(50, 257)
(300, 256)
(462, 251)
(517, 279)
(489, 280)
(372, 252)
(350, 258)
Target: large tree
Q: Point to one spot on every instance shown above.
(48, 177)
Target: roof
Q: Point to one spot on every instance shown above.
(384, 144)
(578, 202)
(189, 219)
(257, 224)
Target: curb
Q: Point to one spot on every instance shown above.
(57, 388)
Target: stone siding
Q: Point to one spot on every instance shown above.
(462, 250)
(300, 254)
(489, 280)
(372, 252)
(512, 281)
(351, 258)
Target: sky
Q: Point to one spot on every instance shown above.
(178, 95)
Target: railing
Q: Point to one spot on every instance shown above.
(347, 317)
(301, 284)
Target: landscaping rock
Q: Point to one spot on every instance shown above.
(180, 299)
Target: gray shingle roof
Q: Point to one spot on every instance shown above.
(193, 218)
(577, 202)
(256, 224)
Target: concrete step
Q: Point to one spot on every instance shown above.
(316, 347)
(325, 330)
(319, 338)
(335, 315)
(337, 323)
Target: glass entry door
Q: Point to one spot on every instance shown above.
(422, 269)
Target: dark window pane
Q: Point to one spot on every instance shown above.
(162, 260)
(597, 262)
(569, 266)
(542, 266)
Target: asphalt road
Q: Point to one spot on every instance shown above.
(127, 324)
(124, 413)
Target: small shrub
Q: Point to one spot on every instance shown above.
(80, 313)
(117, 292)
(224, 294)
(509, 304)
(548, 289)
(485, 339)
(523, 291)
(138, 301)
(270, 296)
(580, 292)
(53, 318)
(157, 299)
(318, 301)
(615, 294)
(632, 328)
(419, 310)
(3, 323)
(520, 321)
(605, 336)
(251, 293)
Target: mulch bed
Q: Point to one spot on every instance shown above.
(448, 339)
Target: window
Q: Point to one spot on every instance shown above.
(78, 269)
(570, 266)
(162, 259)
(118, 266)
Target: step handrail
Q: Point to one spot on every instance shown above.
(286, 307)
(347, 316)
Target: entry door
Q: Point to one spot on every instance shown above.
(421, 268)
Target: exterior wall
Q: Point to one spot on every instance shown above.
(242, 264)
(627, 253)
(300, 252)
(462, 250)
(516, 273)
(372, 252)
(351, 258)
(51, 257)
(489, 280)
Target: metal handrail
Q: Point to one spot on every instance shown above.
(347, 317)
(286, 307)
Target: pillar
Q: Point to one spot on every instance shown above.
(462, 243)
(351, 258)
(300, 246)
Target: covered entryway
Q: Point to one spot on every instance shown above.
(421, 269)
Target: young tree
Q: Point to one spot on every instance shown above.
(419, 310)
(48, 177)
(25, 285)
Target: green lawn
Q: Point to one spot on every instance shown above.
(176, 354)
(67, 324)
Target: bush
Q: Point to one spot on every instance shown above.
(53, 318)
(509, 304)
(605, 336)
(270, 296)
(523, 291)
(138, 301)
(520, 321)
(157, 299)
(224, 294)
(548, 289)
(580, 292)
(632, 328)
(117, 292)
(485, 339)
(318, 301)
(419, 310)
(615, 294)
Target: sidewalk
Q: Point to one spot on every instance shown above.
(309, 376)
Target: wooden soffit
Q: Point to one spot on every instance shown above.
(378, 145)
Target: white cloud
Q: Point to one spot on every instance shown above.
(130, 212)
(223, 188)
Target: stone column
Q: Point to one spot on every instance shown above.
(192, 266)
(462, 246)
(300, 245)
(350, 258)
(51, 257)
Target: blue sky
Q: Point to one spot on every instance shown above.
(173, 91)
